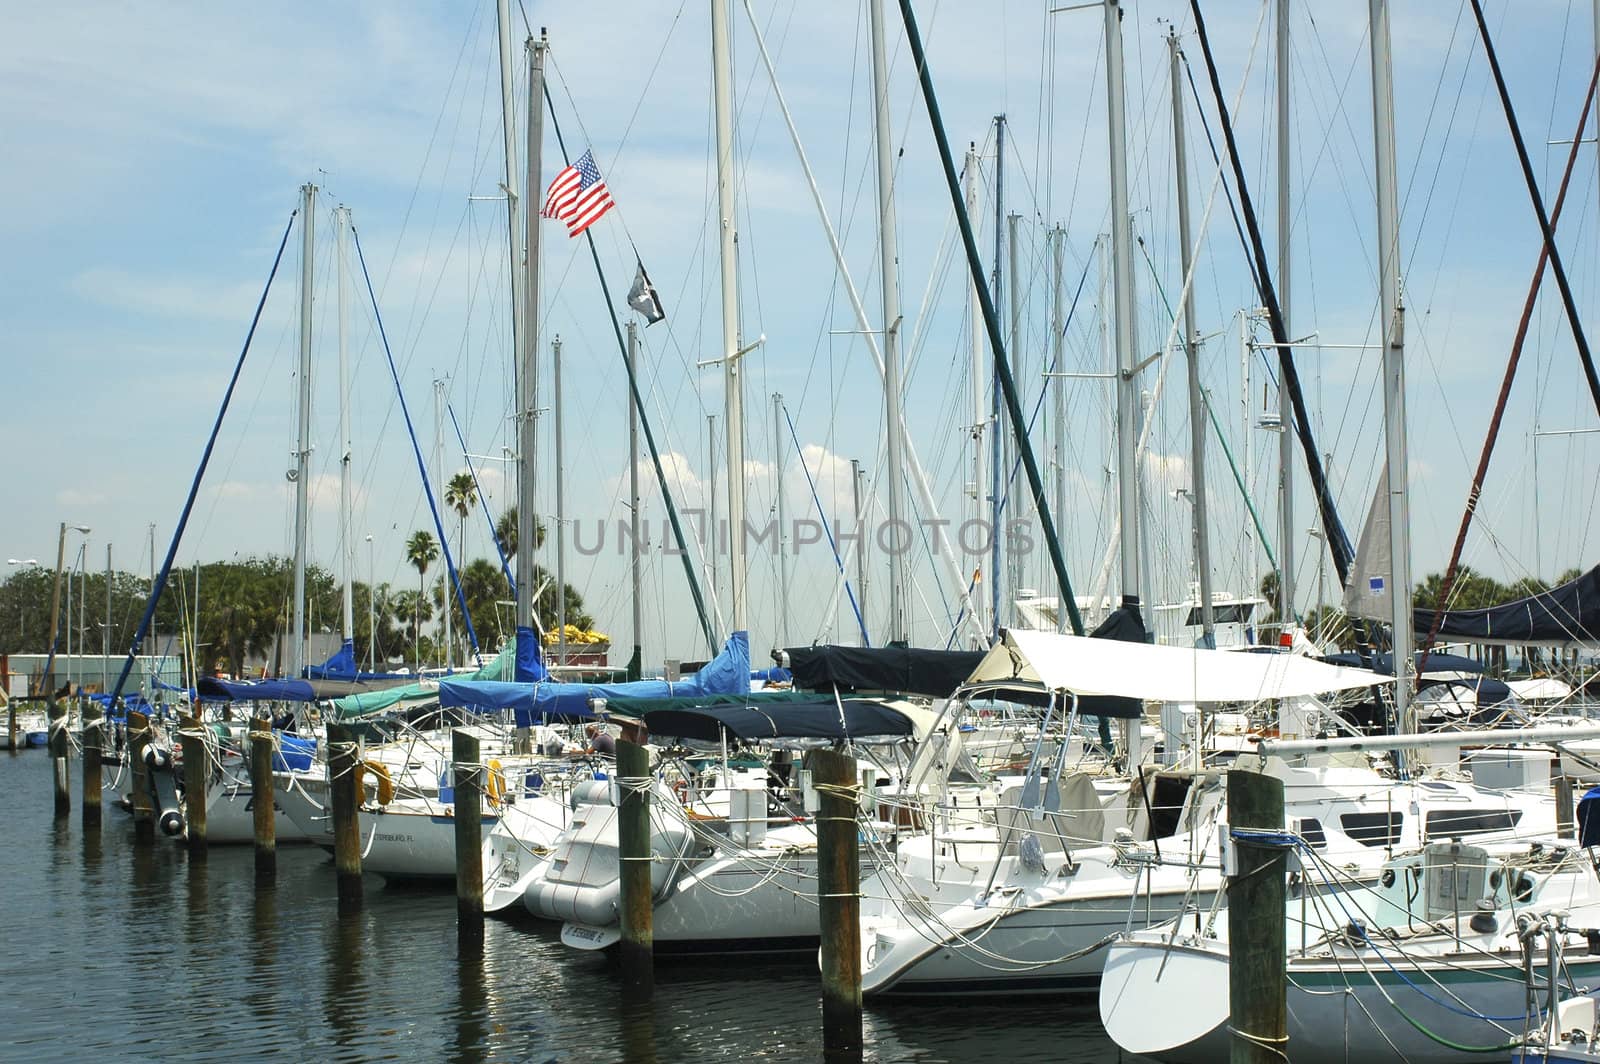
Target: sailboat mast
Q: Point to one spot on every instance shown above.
(733, 381)
(561, 507)
(783, 525)
(438, 478)
(980, 412)
(524, 278)
(889, 275)
(341, 219)
(996, 446)
(1286, 530)
(1122, 299)
(1392, 315)
(1017, 504)
(634, 570)
(302, 458)
(1058, 386)
(1191, 343)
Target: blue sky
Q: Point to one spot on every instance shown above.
(156, 152)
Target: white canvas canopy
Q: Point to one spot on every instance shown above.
(1087, 666)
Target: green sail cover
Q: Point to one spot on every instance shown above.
(365, 703)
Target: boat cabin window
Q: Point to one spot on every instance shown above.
(1373, 829)
(1444, 823)
(1311, 831)
(1232, 613)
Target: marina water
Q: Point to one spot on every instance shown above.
(116, 953)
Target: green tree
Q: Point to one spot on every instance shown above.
(505, 533)
(461, 495)
(422, 550)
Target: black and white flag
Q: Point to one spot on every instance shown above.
(642, 297)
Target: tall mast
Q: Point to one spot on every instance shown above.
(1122, 298)
(561, 507)
(1191, 343)
(861, 551)
(634, 570)
(733, 382)
(524, 296)
(996, 462)
(1058, 388)
(888, 272)
(1018, 505)
(302, 457)
(438, 478)
(711, 505)
(341, 218)
(980, 411)
(1286, 530)
(783, 527)
(105, 634)
(1392, 315)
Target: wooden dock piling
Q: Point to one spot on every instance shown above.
(11, 703)
(144, 808)
(1258, 983)
(344, 793)
(263, 801)
(636, 949)
(839, 898)
(93, 743)
(1566, 810)
(468, 776)
(60, 746)
(192, 740)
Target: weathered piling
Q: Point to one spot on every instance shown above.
(60, 746)
(93, 742)
(144, 808)
(192, 740)
(833, 774)
(263, 801)
(11, 703)
(1566, 811)
(637, 946)
(344, 793)
(468, 773)
(1258, 983)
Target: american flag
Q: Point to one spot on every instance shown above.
(578, 196)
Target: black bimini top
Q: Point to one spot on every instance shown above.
(935, 673)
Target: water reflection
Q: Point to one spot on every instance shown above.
(472, 1001)
(345, 1007)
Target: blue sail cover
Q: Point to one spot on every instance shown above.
(530, 663)
(342, 666)
(212, 689)
(726, 674)
(1568, 615)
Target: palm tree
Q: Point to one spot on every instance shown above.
(505, 533)
(422, 550)
(461, 495)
